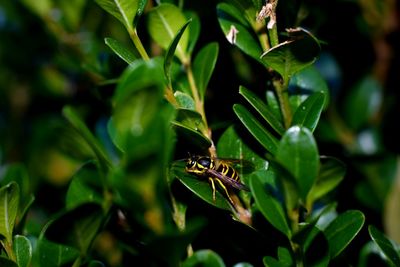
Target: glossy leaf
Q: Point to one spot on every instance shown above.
(120, 50)
(263, 110)
(191, 119)
(50, 254)
(197, 138)
(22, 250)
(203, 66)
(74, 119)
(9, 202)
(169, 56)
(164, 22)
(243, 264)
(291, 56)
(204, 258)
(245, 38)
(341, 231)
(76, 227)
(385, 245)
(123, 10)
(298, 153)
(309, 112)
(331, 173)
(265, 138)
(200, 187)
(269, 206)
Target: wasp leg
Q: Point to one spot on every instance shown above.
(211, 180)
(226, 191)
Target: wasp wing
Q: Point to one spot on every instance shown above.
(227, 180)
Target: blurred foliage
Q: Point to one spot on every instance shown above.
(101, 101)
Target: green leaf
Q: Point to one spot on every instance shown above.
(204, 258)
(195, 137)
(269, 206)
(291, 56)
(72, 116)
(203, 66)
(263, 109)
(124, 10)
(169, 56)
(200, 187)
(9, 202)
(191, 119)
(363, 102)
(76, 227)
(194, 29)
(164, 22)
(265, 138)
(298, 153)
(120, 50)
(307, 81)
(245, 39)
(185, 101)
(331, 173)
(386, 246)
(85, 187)
(341, 231)
(50, 254)
(22, 250)
(243, 264)
(309, 112)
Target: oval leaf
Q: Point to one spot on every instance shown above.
(51, 254)
(342, 230)
(298, 153)
(164, 22)
(9, 202)
(291, 56)
(309, 112)
(195, 137)
(265, 138)
(263, 109)
(123, 10)
(120, 50)
(269, 206)
(204, 258)
(385, 245)
(203, 66)
(22, 250)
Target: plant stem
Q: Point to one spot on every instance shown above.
(9, 250)
(138, 44)
(281, 88)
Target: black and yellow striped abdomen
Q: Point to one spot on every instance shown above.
(227, 170)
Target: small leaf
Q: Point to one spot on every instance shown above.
(120, 50)
(298, 153)
(9, 202)
(22, 250)
(341, 231)
(171, 52)
(245, 38)
(204, 258)
(191, 119)
(309, 112)
(265, 138)
(195, 137)
(203, 66)
(124, 10)
(331, 173)
(164, 22)
(51, 254)
(263, 109)
(291, 56)
(385, 245)
(76, 227)
(269, 206)
(185, 101)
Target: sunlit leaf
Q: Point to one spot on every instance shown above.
(184, 100)
(120, 50)
(124, 10)
(9, 202)
(309, 112)
(22, 250)
(164, 22)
